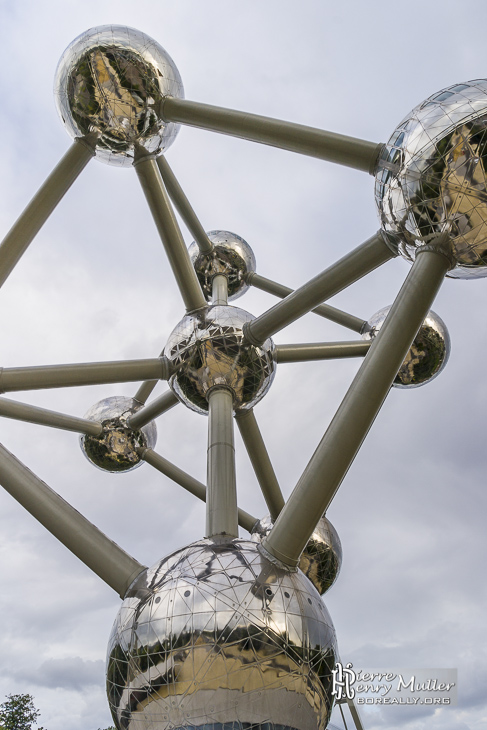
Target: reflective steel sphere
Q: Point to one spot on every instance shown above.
(207, 348)
(216, 636)
(231, 256)
(431, 177)
(321, 559)
(111, 81)
(116, 449)
(428, 354)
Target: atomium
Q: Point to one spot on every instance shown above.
(428, 355)
(207, 349)
(110, 84)
(232, 634)
(115, 449)
(217, 636)
(231, 256)
(431, 177)
(321, 559)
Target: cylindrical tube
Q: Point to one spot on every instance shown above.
(358, 410)
(183, 206)
(44, 417)
(158, 406)
(221, 504)
(350, 268)
(320, 351)
(87, 542)
(348, 151)
(42, 205)
(266, 476)
(167, 225)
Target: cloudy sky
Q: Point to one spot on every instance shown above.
(95, 285)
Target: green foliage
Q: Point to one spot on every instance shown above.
(18, 713)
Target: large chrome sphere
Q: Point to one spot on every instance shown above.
(321, 559)
(216, 636)
(231, 256)
(431, 177)
(427, 355)
(115, 449)
(110, 82)
(208, 349)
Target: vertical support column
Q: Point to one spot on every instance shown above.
(219, 293)
(221, 505)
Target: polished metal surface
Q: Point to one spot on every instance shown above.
(115, 449)
(111, 81)
(231, 256)
(427, 356)
(431, 177)
(321, 559)
(208, 349)
(217, 637)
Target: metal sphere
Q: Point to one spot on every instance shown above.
(116, 449)
(111, 82)
(428, 354)
(207, 348)
(216, 636)
(431, 178)
(321, 559)
(231, 256)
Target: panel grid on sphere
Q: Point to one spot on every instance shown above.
(110, 82)
(432, 177)
(231, 256)
(216, 636)
(208, 349)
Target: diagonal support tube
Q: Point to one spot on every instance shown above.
(356, 264)
(157, 407)
(167, 225)
(358, 410)
(44, 417)
(320, 351)
(189, 483)
(42, 205)
(87, 542)
(90, 373)
(266, 476)
(324, 310)
(348, 151)
(183, 206)
(221, 504)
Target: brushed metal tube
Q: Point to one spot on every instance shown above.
(42, 205)
(358, 410)
(266, 476)
(167, 225)
(91, 373)
(341, 149)
(145, 390)
(324, 310)
(81, 537)
(189, 483)
(221, 504)
(183, 206)
(362, 260)
(156, 408)
(320, 351)
(44, 417)
(219, 290)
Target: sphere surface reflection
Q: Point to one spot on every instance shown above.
(115, 449)
(428, 354)
(208, 349)
(216, 636)
(110, 82)
(231, 256)
(432, 177)
(321, 559)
